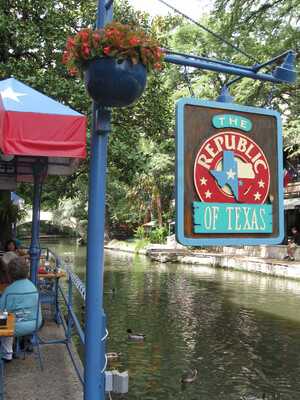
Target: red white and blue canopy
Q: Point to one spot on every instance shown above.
(32, 124)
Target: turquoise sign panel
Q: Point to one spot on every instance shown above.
(232, 218)
(232, 121)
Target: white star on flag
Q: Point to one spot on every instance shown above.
(257, 196)
(261, 184)
(203, 181)
(208, 194)
(230, 174)
(9, 93)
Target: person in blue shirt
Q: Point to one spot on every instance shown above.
(19, 283)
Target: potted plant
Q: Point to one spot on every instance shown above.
(114, 62)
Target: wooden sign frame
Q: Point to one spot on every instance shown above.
(204, 129)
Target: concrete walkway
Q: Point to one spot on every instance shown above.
(268, 266)
(258, 259)
(24, 379)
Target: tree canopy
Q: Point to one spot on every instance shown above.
(141, 145)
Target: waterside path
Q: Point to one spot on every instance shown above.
(24, 379)
(265, 261)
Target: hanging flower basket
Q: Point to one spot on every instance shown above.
(114, 62)
(115, 83)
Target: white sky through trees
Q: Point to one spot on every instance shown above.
(192, 8)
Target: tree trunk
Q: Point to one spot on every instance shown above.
(147, 217)
(159, 210)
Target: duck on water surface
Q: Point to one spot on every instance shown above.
(189, 376)
(135, 336)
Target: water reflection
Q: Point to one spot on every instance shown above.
(240, 331)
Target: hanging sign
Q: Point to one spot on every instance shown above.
(229, 174)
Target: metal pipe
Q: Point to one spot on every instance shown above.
(259, 66)
(74, 317)
(191, 56)
(34, 249)
(212, 66)
(94, 350)
(77, 370)
(95, 321)
(70, 305)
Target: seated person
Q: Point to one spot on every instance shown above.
(3, 272)
(18, 273)
(4, 261)
(11, 245)
(16, 247)
(293, 242)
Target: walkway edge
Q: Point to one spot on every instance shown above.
(258, 265)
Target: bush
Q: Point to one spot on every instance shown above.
(158, 235)
(141, 244)
(140, 233)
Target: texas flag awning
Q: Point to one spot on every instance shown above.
(32, 124)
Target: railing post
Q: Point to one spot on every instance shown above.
(70, 303)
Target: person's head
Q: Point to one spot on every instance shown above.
(294, 230)
(17, 269)
(10, 245)
(8, 256)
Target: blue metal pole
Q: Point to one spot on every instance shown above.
(34, 249)
(215, 66)
(95, 324)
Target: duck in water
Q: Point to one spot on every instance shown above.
(113, 355)
(189, 376)
(135, 336)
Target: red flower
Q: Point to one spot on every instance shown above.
(84, 35)
(96, 36)
(85, 49)
(65, 57)
(110, 32)
(73, 71)
(134, 41)
(114, 40)
(70, 43)
(159, 53)
(106, 50)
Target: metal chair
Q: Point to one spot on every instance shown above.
(27, 310)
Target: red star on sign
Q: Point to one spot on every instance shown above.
(252, 166)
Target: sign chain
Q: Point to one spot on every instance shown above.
(188, 81)
(268, 103)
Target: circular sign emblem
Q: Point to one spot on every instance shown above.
(231, 168)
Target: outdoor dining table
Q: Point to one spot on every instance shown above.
(7, 330)
(48, 288)
(47, 275)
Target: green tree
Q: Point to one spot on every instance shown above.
(34, 35)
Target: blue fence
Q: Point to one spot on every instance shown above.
(60, 295)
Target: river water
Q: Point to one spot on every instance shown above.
(241, 331)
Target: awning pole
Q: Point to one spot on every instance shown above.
(34, 249)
